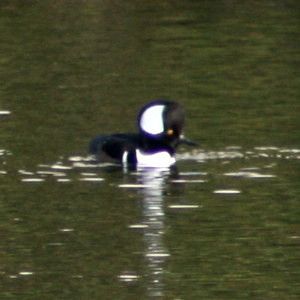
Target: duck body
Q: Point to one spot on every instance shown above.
(160, 124)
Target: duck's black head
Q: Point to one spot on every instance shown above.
(160, 124)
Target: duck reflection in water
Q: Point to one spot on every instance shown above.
(153, 186)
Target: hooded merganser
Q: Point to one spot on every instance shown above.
(160, 124)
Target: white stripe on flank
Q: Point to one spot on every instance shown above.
(124, 158)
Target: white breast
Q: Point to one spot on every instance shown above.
(156, 160)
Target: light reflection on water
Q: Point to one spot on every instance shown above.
(154, 220)
(4, 113)
(87, 170)
(150, 184)
(237, 152)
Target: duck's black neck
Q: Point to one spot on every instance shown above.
(155, 145)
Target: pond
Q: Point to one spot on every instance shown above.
(224, 224)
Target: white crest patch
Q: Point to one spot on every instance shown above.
(152, 119)
(161, 159)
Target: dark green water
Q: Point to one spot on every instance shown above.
(227, 227)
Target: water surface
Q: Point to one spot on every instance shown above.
(224, 225)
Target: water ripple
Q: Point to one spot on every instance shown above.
(249, 175)
(238, 152)
(86, 169)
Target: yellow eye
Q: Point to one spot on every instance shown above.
(170, 131)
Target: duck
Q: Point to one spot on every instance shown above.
(160, 131)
